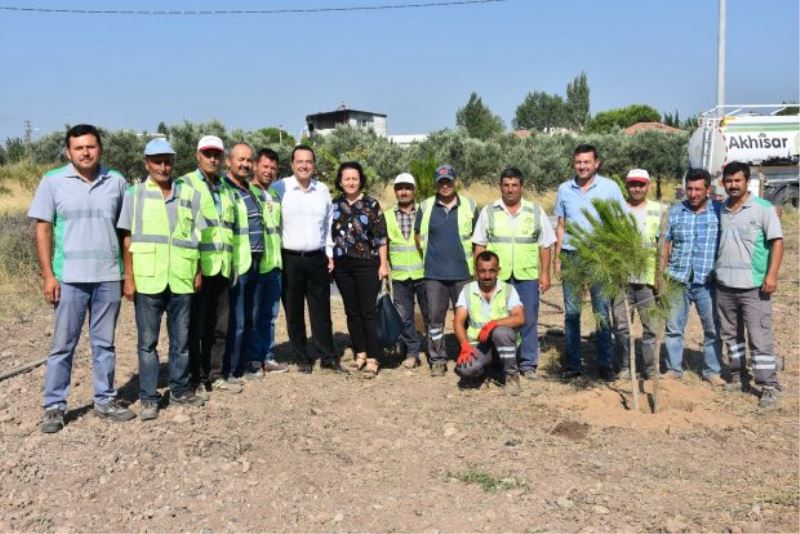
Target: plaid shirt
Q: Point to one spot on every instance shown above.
(694, 237)
(406, 220)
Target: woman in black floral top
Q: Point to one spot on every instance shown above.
(358, 231)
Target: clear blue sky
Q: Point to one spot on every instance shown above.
(416, 65)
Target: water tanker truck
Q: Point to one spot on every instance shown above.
(756, 135)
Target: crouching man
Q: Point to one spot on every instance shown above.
(488, 314)
(161, 239)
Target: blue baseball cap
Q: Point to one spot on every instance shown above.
(158, 146)
(444, 172)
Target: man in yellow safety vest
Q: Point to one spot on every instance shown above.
(521, 235)
(488, 315)
(405, 259)
(641, 289)
(161, 238)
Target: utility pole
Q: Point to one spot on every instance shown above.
(721, 56)
(28, 133)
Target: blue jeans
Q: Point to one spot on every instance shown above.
(149, 309)
(703, 296)
(101, 300)
(267, 305)
(572, 323)
(403, 293)
(241, 320)
(528, 291)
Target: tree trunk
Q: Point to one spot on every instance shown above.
(631, 353)
(661, 326)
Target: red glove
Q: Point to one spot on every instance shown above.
(466, 354)
(486, 331)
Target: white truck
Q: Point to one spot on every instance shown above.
(756, 135)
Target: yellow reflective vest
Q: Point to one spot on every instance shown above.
(271, 214)
(216, 239)
(162, 258)
(477, 318)
(517, 245)
(405, 257)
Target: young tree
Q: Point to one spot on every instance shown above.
(541, 111)
(478, 119)
(577, 106)
(609, 254)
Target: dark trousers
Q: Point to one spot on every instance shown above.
(149, 309)
(241, 319)
(305, 278)
(403, 293)
(208, 330)
(357, 280)
(441, 295)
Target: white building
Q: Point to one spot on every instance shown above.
(324, 122)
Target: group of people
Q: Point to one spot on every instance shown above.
(220, 248)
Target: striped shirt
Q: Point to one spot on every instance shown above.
(84, 215)
(694, 236)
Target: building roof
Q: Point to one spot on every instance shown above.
(643, 126)
(340, 114)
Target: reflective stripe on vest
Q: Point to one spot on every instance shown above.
(498, 308)
(405, 258)
(216, 239)
(271, 216)
(162, 259)
(465, 217)
(517, 246)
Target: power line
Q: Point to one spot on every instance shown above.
(211, 12)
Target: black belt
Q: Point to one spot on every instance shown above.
(303, 252)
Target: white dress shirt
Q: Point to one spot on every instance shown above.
(306, 216)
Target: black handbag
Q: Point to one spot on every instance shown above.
(390, 324)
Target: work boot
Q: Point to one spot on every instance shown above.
(189, 397)
(769, 398)
(512, 386)
(607, 374)
(530, 374)
(53, 420)
(333, 366)
(149, 410)
(114, 410)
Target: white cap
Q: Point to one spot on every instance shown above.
(638, 175)
(210, 142)
(405, 178)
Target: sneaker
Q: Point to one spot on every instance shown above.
(236, 380)
(254, 372)
(226, 386)
(438, 369)
(271, 366)
(410, 362)
(53, 420)
(149, 410)
(188, 398)
(769, 398)
(715, 381)
(569, 374)
(607, 374)
(529, 374)
(512, 386)
(202, 392)
(114, 410)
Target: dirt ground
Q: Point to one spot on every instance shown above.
(403, 452)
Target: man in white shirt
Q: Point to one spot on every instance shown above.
(307, 260)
